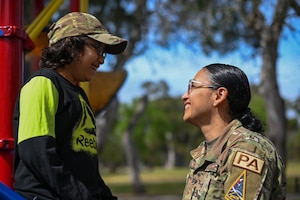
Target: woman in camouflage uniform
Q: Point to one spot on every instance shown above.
(235, 161)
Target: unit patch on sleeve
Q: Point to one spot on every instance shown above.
(249, 162)
(237, 190)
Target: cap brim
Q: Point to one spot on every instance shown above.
(114, 44)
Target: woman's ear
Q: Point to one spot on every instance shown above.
(220, 95)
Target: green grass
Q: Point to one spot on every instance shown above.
(159, 181)
(293, 169)
(293, 175)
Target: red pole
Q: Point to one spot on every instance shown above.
(38, 7)
(75, 5)
(11, 57)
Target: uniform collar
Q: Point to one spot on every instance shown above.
(218, 146)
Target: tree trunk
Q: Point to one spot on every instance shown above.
(130, 150)
(268, 32)
(171, 152)
(105, 121)
(275, 108)
(132, 160)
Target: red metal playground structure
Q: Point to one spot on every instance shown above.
(15, 45)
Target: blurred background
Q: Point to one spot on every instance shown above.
(143, 143)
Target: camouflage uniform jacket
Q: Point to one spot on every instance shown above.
(239, 165)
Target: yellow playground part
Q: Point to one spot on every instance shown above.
(36, 27)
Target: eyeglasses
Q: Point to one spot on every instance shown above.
(202, 85)
(100, 48)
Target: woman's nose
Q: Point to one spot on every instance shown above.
(184, 96)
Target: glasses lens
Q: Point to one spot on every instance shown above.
(189, 86)
(100, 51)
(199, 84)
(99, 48)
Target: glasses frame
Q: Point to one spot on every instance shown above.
(100, 48)
(202, 85)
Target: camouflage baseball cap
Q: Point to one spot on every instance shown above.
(78, 24)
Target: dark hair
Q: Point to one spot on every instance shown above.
(63, 52)
(239, 94)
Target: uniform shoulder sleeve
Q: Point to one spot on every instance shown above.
(255, 170)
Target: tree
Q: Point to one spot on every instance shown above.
(295, 106)
(257, 105)
(160, 136)
(294, 130)
(131, 153)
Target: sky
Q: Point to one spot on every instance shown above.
(177, 71)
(177, 67)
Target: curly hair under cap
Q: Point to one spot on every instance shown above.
(239, 94)
(63, 52)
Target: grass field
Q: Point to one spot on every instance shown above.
(293, 177)
(159, 181)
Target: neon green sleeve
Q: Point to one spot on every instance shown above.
(38, 105)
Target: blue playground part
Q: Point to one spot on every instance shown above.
(8, 194)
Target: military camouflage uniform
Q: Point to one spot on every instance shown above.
(240, 164)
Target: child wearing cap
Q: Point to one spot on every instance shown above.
(54, 126)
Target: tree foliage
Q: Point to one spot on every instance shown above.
(257, 105)
(295, 106)
(160, 125)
